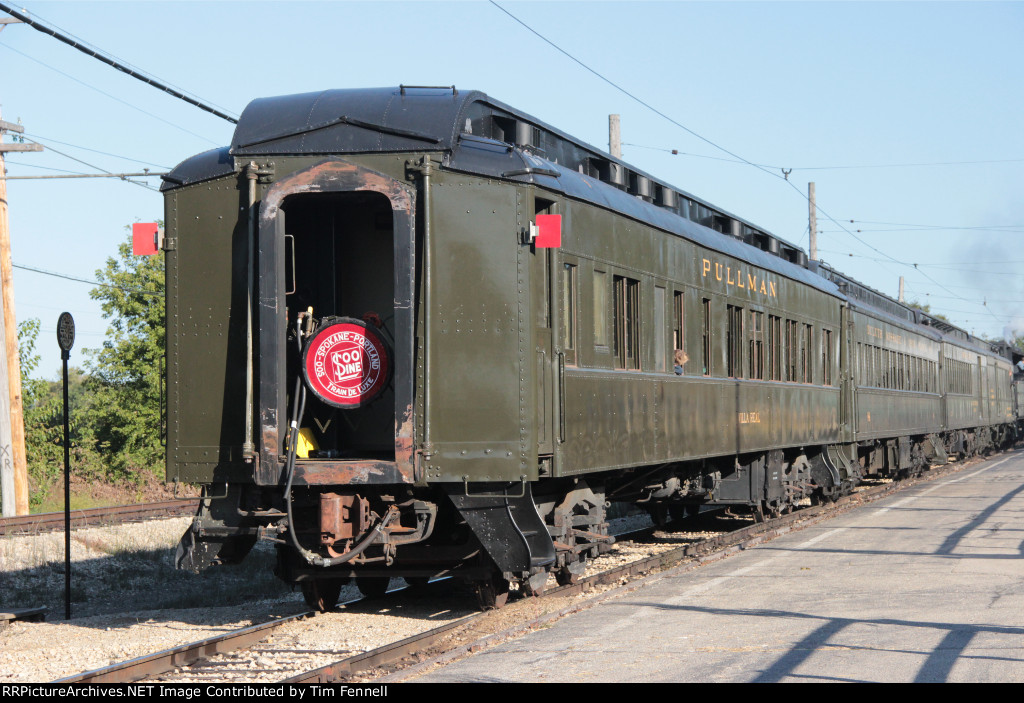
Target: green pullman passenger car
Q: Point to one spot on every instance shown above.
(413, 332)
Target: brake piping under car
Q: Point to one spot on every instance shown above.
(312, 558)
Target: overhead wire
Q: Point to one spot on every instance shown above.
(1016, 229)
(112, 97)
(942, 265)
(120, 176)
(677, 152)
(100, 55)
(98, 168)
(84, 280)
(628, 94)
(783, 176)
(901, 224)
(97, 151)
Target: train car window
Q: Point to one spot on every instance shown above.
(659, 328)
(756, 350)
(706, 308)
(678, 331)
(627, 322)
(600, 309)
(826, 357)
(792, 347)
(774, 348)
(807, 375)
(569, 312)
(734, 341)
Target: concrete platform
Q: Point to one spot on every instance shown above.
(927, 585)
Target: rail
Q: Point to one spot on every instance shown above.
(93, 517)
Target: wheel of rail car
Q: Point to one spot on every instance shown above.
(322, 594)
(373, 586)
(572, 573)
(536, 584)
(492, 593)
(417, 584)
(683, 512)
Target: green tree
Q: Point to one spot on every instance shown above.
(43, 405)
(928, 309)
(125, 375)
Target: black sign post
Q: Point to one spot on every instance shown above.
(66, 340)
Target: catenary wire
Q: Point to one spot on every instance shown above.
(85, 280)
(705, 139)
(102, 56)
(97, 151)
(112, 97)
(677, 152)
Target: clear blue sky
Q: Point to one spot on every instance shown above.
(869, 87)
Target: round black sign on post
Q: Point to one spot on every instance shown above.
(65, 333)
(66, 340)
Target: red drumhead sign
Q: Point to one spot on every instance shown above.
(346, 363)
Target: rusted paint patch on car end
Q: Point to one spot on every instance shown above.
(320, 472)
(332, 176)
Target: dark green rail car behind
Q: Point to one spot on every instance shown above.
(664, 352)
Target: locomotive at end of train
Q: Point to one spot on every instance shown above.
(414, 332)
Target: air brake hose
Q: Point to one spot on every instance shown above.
(312, 558)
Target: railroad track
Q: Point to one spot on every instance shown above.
(94, 517)
(206, 661)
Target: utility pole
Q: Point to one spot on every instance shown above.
(614, 137)
(813, 212)
(13, 464)
(901, 298)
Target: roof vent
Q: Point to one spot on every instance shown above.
(666, 197)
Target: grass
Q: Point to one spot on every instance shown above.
(54, 503)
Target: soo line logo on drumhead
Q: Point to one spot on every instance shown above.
(346, 364)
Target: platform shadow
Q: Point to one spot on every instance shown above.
(936, 668)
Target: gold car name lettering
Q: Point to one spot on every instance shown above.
(738, 279)
(751, 418)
